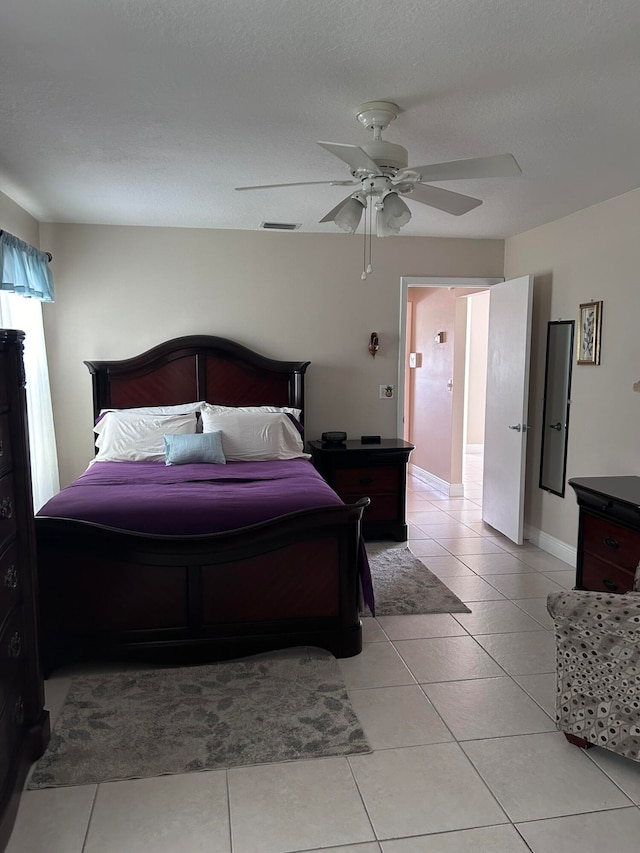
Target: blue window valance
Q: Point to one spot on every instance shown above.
(25, 269)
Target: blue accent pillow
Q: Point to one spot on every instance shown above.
(202, 447)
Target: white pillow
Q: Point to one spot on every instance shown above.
(179, 409)
(130, 437)
(214, 409)
(255, 436)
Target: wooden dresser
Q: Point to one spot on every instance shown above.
(608, 532)
(376, 471)
(24, 724)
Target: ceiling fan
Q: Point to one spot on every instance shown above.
(380, 170)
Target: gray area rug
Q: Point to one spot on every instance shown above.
(402, 584)
(135, 724)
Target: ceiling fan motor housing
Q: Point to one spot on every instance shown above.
(389, 156)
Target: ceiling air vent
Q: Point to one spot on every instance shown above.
(280, 226)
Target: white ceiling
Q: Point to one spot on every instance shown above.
(150, 112)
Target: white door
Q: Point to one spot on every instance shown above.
(505, 438)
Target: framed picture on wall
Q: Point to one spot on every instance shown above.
(589, 328)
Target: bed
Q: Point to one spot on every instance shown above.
(187, 585)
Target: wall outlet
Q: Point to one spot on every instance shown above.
(387, 392)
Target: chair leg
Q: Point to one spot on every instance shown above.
(578, 741)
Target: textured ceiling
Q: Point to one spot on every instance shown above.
(150, 112)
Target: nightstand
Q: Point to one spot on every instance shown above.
(375, 471)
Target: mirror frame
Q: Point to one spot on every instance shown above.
(551, 371)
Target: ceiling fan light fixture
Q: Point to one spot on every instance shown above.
(394, 211)
(349, 216)
(383, 229)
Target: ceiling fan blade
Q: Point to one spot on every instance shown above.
(300, 184)
(497, 166)
(335, 210)
(454, 203)
(353, 155)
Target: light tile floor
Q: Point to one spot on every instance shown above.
(459, 712)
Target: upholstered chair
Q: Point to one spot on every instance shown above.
(598, 668)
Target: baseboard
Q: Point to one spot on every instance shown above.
(452, 490)
(551, 545)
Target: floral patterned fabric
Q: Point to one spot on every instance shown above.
(598, 667)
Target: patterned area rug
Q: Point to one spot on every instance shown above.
(135, 724)
(402, 584)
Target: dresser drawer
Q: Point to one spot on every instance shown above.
(5, 444)
(7, 510)
(10, 586)
(611, 542)
(600, 576)
(4, 396)
(12, 652)
(366, 482)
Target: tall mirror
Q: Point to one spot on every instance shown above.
(557, 402)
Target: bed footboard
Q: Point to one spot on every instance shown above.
(118, 595)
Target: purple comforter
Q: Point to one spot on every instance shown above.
(150, 497)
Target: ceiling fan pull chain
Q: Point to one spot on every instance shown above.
(364, 250)
(369, 266)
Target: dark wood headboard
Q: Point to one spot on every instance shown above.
(197, 367)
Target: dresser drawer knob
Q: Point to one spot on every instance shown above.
(610, 542)
(612, 586)
(11, 577)
(18, 712)
(14, 649)
(6, 508)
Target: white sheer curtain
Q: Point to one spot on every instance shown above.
(16, 312)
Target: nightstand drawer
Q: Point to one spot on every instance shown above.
(604, 577)
(367, 481)
(381, 508)
(612, 542)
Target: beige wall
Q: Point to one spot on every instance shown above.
(432, 400)
(435, 412)
(121, 290)
(478, 332)
(591, 255)
(17, 221)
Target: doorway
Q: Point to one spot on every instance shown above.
(444, 334)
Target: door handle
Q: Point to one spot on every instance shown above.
(557, 426)
(517, 427)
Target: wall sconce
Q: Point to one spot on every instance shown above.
(374, 344)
